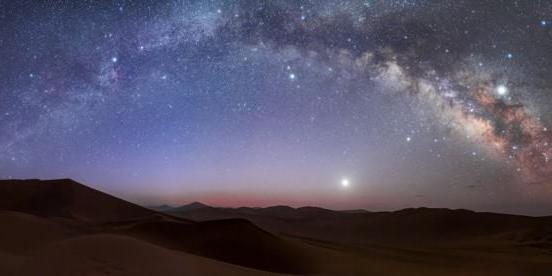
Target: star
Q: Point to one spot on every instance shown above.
(345, 183)
(501, 90)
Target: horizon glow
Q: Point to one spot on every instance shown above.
(262, 103)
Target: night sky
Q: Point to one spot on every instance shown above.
(373, 104)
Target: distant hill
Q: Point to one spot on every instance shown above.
(160, 208)
(189, 207)
(414, 225)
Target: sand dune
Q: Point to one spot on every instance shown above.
(65, 198)
(420, 241)
(405, 226)
(61, 227)
(22, 232)
(45, 219)
(221, 240)
(118, 255)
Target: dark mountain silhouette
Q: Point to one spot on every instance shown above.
(160, 208)
(413, 225)
(189, 207)
(66, 198)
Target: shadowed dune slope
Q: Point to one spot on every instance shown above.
(66, 198)
(235, 241)
(21, 232)
(118, 255)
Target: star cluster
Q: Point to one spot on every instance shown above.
(437, 103)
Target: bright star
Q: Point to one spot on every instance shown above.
(292, 76)
(501, 90)
(345, 182)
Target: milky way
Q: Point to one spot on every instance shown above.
(481, 109)
(437, 103)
